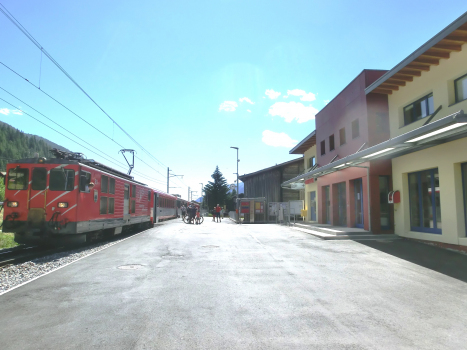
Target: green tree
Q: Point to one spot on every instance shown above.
(216, 192)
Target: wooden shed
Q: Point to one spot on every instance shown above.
(267, 182)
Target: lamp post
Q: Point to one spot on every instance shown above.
(168, 177)
(202, 194)
(238, 209)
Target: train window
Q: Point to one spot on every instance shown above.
(104, 184)
(112, 186)
(133, 191)
(84, 180)
(111, 205)
(133, 207)
(18, 179)
(103, 205)
(39, 179)
(157, 200)
(149, 196)
(62, 179)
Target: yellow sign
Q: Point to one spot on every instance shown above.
(303, 212)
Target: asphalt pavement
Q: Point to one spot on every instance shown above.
(228, 286)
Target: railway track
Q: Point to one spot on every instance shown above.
(22, 254)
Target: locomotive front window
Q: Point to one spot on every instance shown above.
(61, 179)
(18, 179)
(39, 179)
(84, 180)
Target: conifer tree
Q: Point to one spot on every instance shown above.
(217, 190)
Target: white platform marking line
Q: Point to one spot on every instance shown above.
(58, 268)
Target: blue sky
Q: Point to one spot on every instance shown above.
(189, 79)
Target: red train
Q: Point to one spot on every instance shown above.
(72, 200)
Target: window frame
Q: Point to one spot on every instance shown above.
(342, 140)
(81, 172)
(133, 207)
(331, 143)
(133, 191)
(455, 88)
(426, 97)
(111, 185)
(111, 200)
(434, 230)
(102, 200)
(357, 123)
(311, 164)
(322, 147)
(106, 189)
(32, 179)
(26, 185)
(51, 188)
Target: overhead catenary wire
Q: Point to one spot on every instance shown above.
(78, 116)
(5, 11)
(48, 126)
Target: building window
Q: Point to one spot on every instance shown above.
(331, 142)
(425, 206)
(311, 162)
(112, 186)
(133, 191)
(111, 205)
(104, 183)
(342, 136)
(103, 205)
(355, 129)
(461, 88)
(419, 109)
(323, 147)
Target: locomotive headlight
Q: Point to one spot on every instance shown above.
(12, 204)
(62, 205)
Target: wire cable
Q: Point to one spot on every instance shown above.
(5, 11)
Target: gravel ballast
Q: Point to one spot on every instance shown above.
(14, 275)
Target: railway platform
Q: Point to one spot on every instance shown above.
(228, 286)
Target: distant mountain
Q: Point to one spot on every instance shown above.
(15, 144)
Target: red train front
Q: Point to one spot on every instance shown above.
(69, 201)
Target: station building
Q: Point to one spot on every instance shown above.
(420, 157)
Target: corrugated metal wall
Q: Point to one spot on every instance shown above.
(268, 184)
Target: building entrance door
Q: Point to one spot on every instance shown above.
(342, 204)
(313, 206)
(327, 199)
(358, 190)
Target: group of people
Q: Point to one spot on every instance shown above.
(217, 212)
(192, 212)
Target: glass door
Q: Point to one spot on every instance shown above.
(384, 207)
(358, 190)
(342, 204)
(313, 206)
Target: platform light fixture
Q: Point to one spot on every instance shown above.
(379, 152)
(447, 128)
(340, 166)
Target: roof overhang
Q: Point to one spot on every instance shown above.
(305, 144)
(446, 129)
(450, 39)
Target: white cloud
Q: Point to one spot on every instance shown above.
(248, 111)
(246, 99)
(272, 94)
(304, 96)
(276, 139)
(228, 106)
(7, 111)
(326, 101)
(293, 111)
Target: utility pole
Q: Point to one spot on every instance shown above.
(238, 209)
(169, 176)
(192, 194)
(201, 193)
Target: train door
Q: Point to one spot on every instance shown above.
(38, 196)
(126, 202)
(156, 207)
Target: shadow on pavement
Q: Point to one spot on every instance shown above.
(447, 262)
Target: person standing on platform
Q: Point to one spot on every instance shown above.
(218, 213)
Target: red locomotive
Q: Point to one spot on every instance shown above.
(70, 200)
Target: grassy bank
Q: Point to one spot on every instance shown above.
(6, 239)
